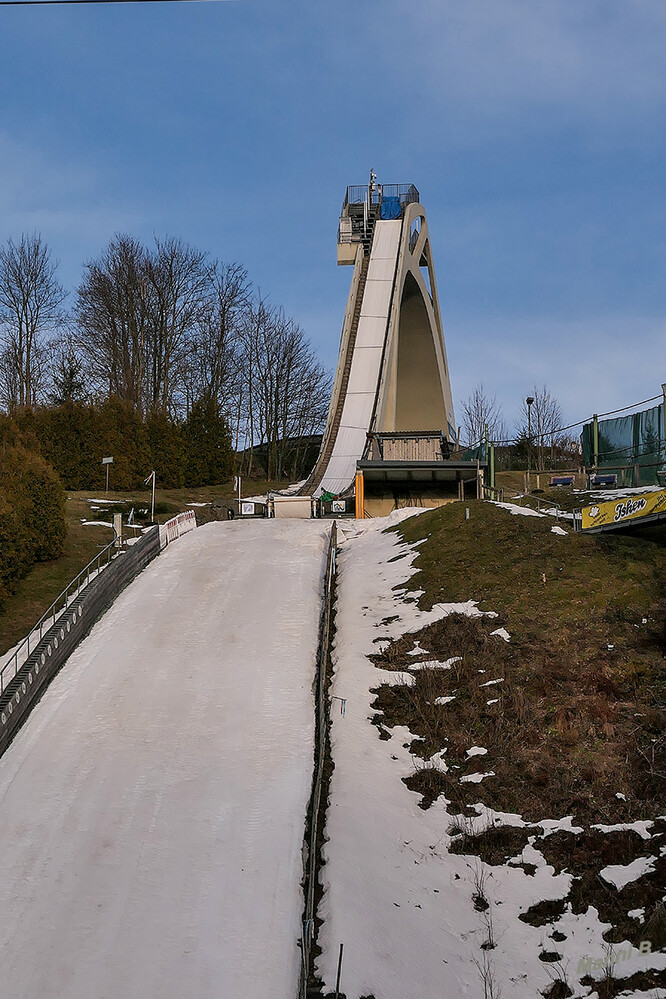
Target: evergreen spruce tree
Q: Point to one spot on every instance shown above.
(32, 507)
(122, 436)
(167, 450)
(210, 457)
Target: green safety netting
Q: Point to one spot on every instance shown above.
(478, 453)
(632, 446)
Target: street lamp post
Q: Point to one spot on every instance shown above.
(152, 504)
(529, 401)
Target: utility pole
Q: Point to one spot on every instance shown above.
(529, 401)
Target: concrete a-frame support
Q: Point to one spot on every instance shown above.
(392, 372)
(414, 392)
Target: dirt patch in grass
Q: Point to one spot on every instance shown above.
(587, 854)
(564, 733)
(495, 845)
(430, 782)
(543, 913)
(641, 982)
(574, 724)
(578, 716)
(558, 990)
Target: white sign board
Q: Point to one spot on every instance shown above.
(107, 461)
(247, 509)
(338, 506)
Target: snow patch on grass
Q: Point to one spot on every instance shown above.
(436, 664)
(393, 893)
(623, 874)
(517, 511)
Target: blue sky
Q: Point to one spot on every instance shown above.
(534, 130)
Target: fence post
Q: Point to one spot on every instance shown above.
(337, 977)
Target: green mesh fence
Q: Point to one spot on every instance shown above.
(478, 453)
(631, 446)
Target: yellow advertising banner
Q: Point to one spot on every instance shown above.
(623, 509)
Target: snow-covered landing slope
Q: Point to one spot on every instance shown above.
(152, 810)
(399, 901)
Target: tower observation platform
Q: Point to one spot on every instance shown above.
(392, 378)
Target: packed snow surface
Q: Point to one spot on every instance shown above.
(152, 810)
(399, 901)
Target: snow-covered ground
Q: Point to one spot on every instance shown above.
(401, 904)
(152, 809)
(609, 494)
(519, 511)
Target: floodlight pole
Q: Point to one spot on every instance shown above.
(529, 402)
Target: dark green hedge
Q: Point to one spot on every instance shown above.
(75, 436)
(32, 507)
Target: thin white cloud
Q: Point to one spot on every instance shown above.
(483, 61)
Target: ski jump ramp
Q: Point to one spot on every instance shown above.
(392, 372)
(152, 811)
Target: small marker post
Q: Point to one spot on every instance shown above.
(107, 462)
(337, 977)
(152, 502)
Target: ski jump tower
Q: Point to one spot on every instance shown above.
(391, 395)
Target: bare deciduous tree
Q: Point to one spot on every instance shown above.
(166, 329)
(137, 313)
(545, 420)
(286, 389)
(482, 414)
(180, 295)
(112, 319)
(213, 364)
(30, 306)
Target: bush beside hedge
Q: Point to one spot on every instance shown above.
(32, 507)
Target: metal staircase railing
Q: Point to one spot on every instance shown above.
(48, 618)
